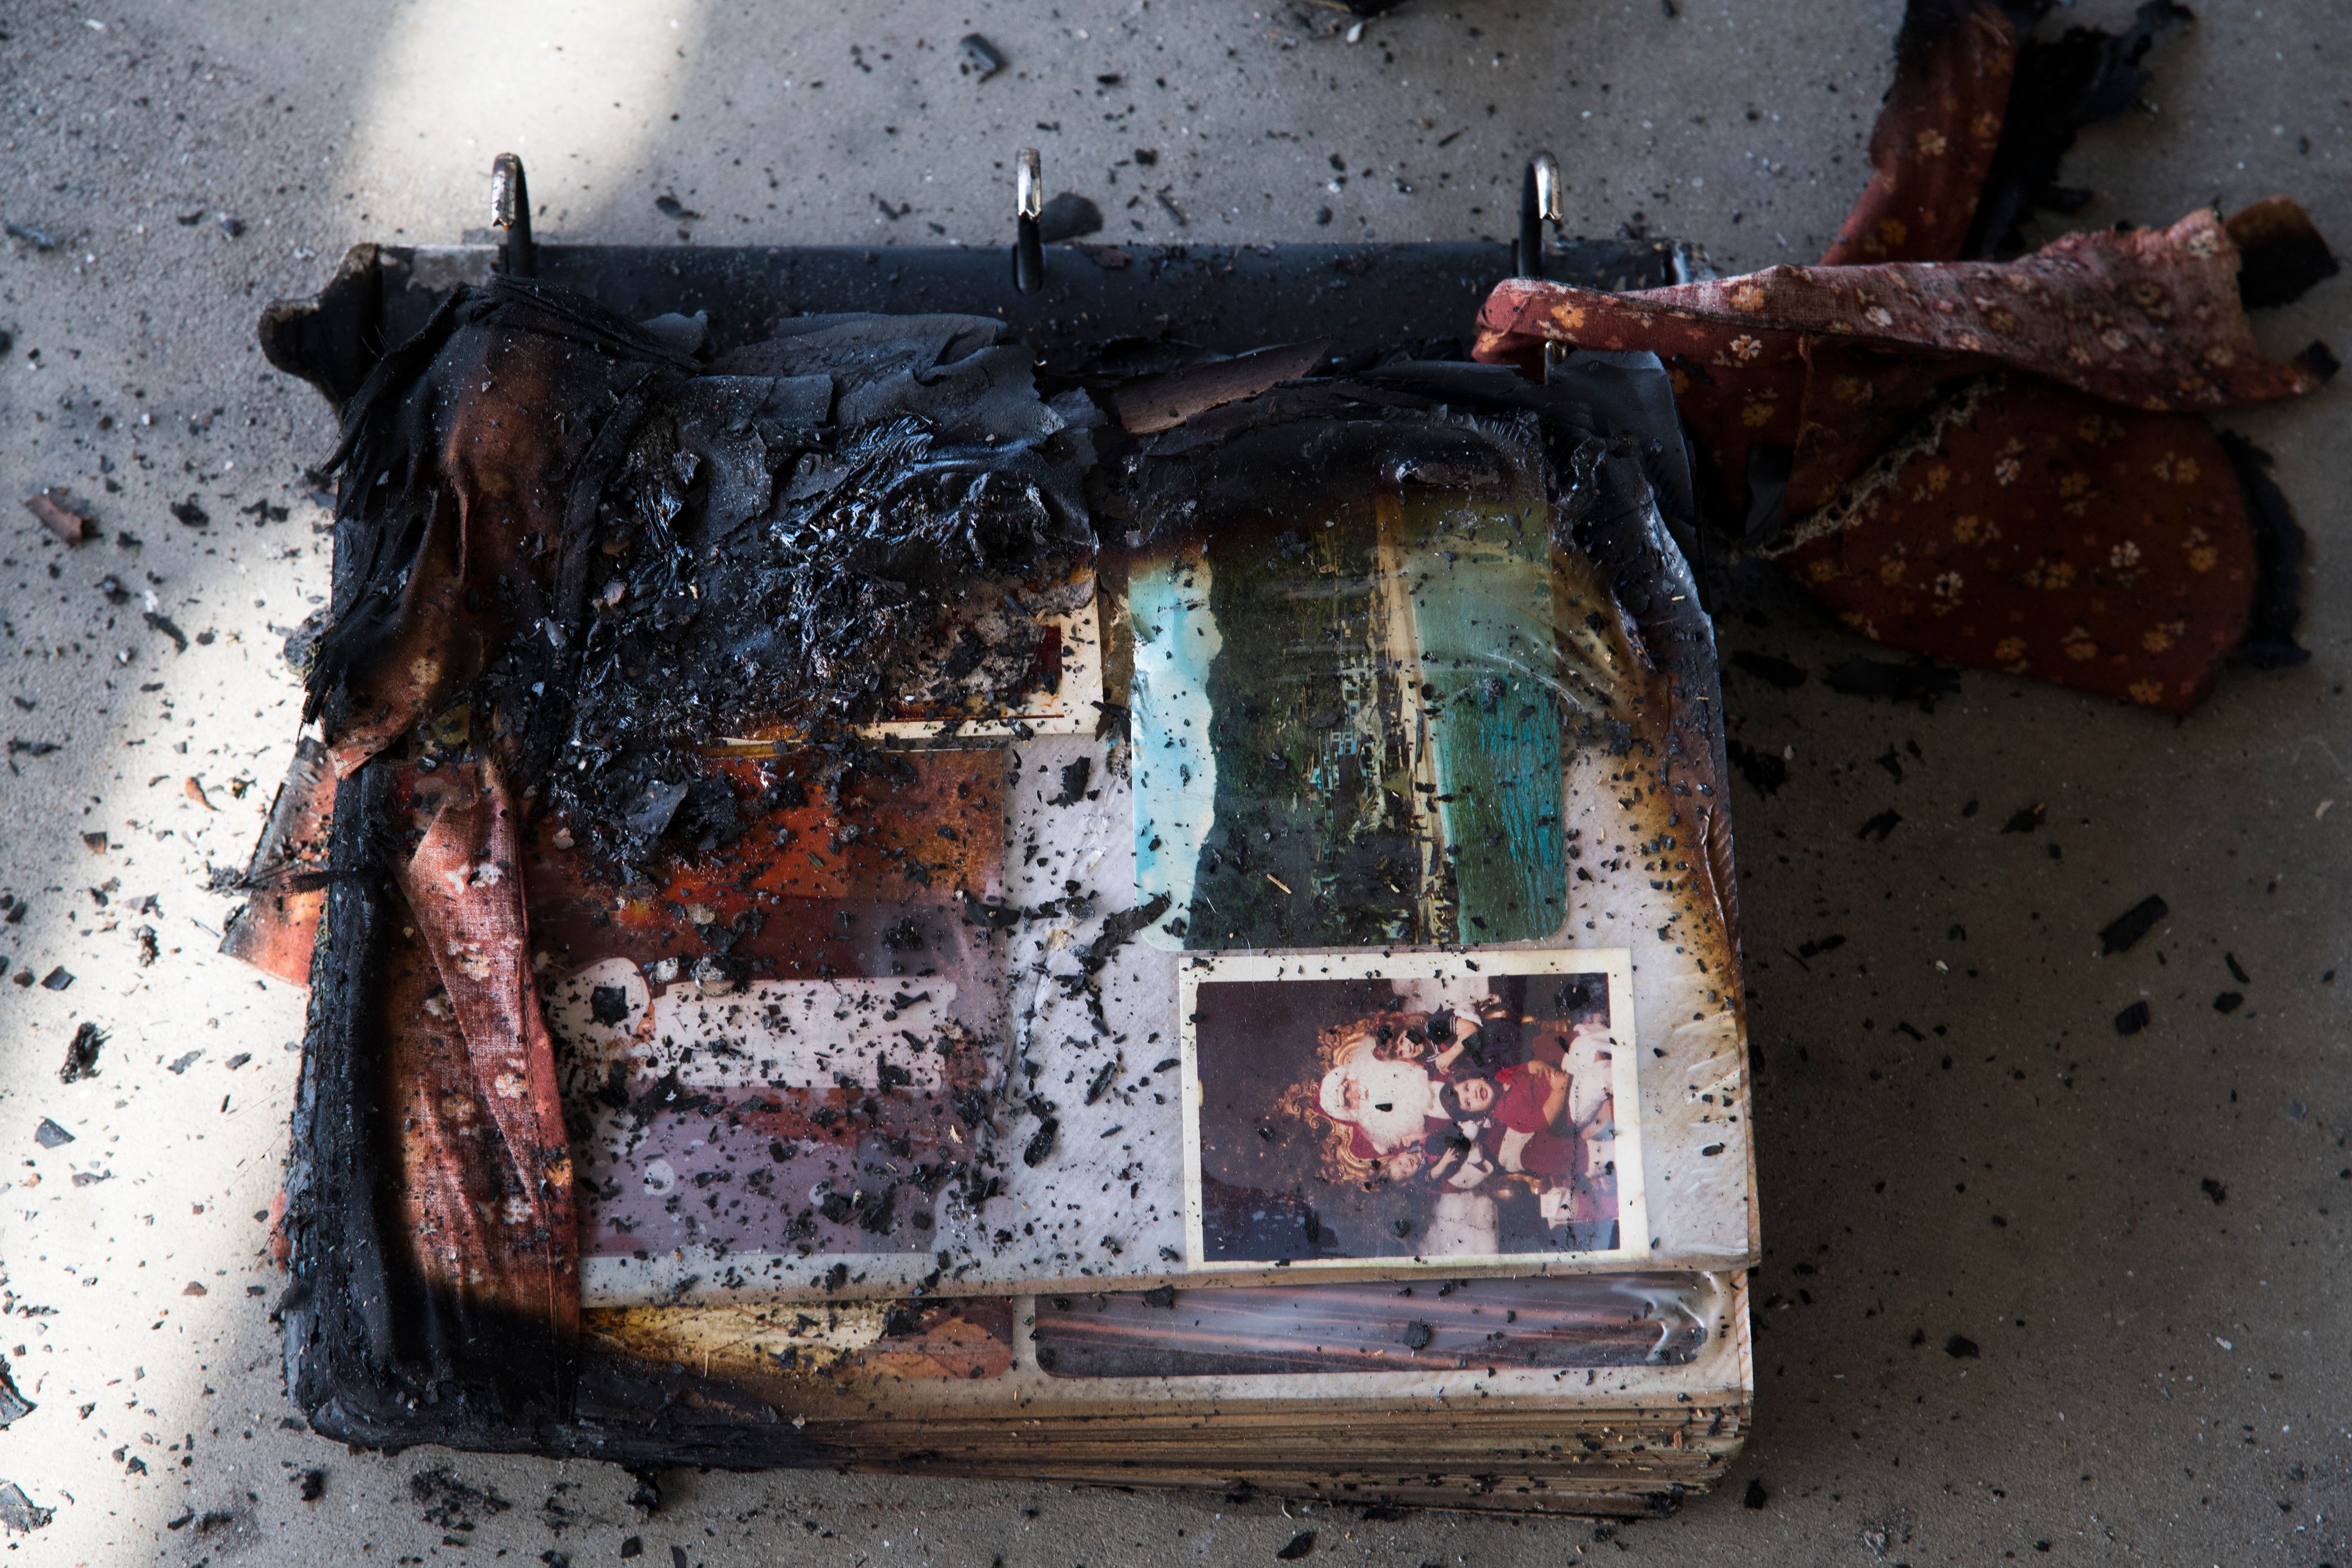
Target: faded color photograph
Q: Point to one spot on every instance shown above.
(1353, 705)
(1438, 1111)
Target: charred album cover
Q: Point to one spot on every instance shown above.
(1412, 1108)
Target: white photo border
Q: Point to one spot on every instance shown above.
(1370, 964)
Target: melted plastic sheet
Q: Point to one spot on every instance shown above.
(1377, 684)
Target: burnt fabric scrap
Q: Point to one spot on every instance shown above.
(1979, 115)
(274, 930)
(463, 886)
(1954, 67)
(1997, 463)
(570, 560)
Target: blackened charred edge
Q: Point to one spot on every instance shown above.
(365, 560)
(378, 1358)
(390, 432)
(2278, 611)
(337, 1312)
(1633, 388)
(1634, 547)
(1228, 299)
(334, 339)
(2083, 76)
(274, 862)
(375, 1355)
(2281, 254)
(607, 449)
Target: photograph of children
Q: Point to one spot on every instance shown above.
(1411, 1107)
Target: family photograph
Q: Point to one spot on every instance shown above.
(1458, 1114)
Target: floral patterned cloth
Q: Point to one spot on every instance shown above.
(2092, 547)
(1935, 140)
(1991, 463)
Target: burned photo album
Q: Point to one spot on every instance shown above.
(1213, 865)
(1019, 898)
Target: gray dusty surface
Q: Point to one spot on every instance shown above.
(2144, 1236)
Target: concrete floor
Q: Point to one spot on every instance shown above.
(2144, 1236)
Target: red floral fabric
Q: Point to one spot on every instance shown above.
(1832, 362)
(1990, 463)
(1934, 142)
(464, 888)
(2042, 534)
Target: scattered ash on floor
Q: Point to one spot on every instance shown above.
(451, 1503)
